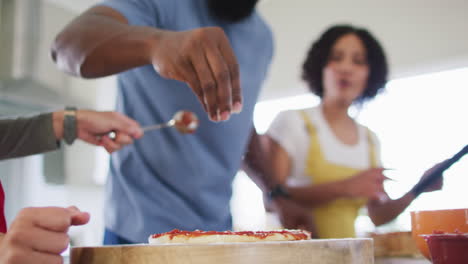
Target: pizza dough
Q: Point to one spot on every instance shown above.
(206, 237)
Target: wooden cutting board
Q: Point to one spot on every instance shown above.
(323, 251)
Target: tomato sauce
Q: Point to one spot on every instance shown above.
(298, 235)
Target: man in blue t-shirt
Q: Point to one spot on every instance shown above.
(173, 55)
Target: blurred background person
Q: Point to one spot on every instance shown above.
(323, 159)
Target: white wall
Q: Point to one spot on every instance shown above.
(419, 35)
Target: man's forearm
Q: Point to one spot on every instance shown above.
(100, 42)
(256, 162)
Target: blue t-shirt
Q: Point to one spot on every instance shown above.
(168, 180)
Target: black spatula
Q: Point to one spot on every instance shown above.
(437, 173)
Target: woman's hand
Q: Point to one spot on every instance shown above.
(436, 185)
(39, 235)
(94, 127)
(366, 184)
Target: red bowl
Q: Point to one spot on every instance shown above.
(448, 248)
(426, 222)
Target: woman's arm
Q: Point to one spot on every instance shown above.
(384, 211)
(27, 136)
(366, 184)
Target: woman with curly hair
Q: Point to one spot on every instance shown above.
(321, 157)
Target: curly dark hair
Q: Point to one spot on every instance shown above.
(319, 54)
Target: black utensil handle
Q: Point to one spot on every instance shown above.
(437, 173)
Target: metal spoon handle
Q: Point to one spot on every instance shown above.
(159, 126)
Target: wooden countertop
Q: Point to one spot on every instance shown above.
(321, 251)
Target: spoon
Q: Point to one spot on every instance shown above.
(185, 122)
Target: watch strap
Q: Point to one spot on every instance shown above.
(69, 125)
(278, 191)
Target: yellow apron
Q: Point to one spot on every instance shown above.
(334, 219)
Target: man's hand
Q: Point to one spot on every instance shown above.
(366, 184)
(39, 235)
(100, 42)
(204, 59)
(294, 216)
(93, 127)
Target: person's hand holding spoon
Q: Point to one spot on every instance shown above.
(185, 122)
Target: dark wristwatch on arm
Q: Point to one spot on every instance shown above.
(69, 125)
(278, 190)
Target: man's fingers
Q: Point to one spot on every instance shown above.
(191, 78)
(223, 82)
(207, 83)
(233, 66)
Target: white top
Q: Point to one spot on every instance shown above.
(289, 130)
